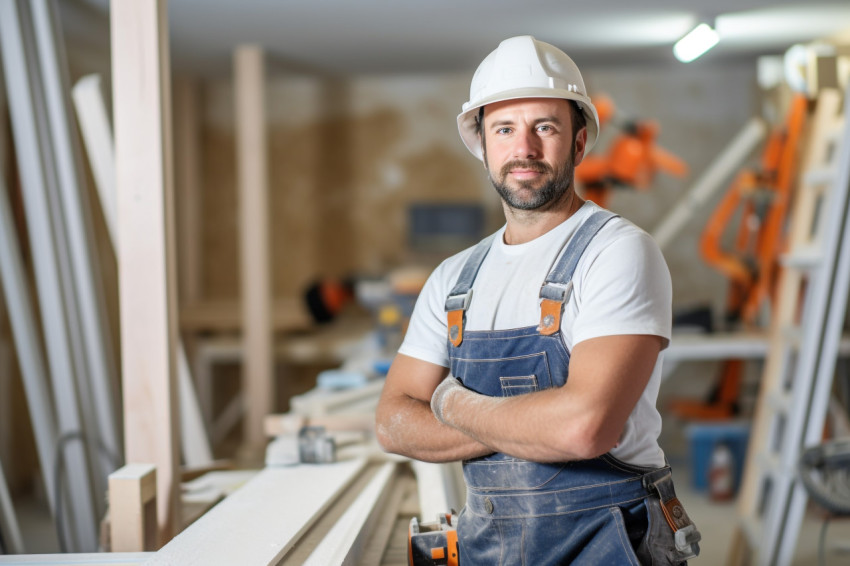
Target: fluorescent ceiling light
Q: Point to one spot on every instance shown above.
(695, 43)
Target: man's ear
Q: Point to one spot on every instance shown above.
(580, 146)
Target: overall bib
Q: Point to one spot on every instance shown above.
(519, 512)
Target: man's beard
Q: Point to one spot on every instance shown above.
(553, 188)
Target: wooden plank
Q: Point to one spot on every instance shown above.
(10, 532)
(320, 402)
(290, 423)
(29, 121)
(81, 559)
(441, 488)
(30, 355)
(288, 313)
(252, 174)
(90, 337)
(258, 524)
(91, 111)
(132, 508)
(4, 133)
(143, 156)
(378, 545)
(97, 136)
(196, 449)
(6, 399)
(345, 543)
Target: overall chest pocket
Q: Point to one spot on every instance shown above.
(519, 385)
(504, 377)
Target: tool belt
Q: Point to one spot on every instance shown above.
(671, 538)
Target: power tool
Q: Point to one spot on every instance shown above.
(433, 544)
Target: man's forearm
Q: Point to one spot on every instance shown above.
(407, 426)
(531, 427)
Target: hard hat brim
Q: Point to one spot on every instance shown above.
(466, 119)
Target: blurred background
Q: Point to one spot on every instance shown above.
(369, 187)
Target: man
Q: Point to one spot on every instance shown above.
(558, 470)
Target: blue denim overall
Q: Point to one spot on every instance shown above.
(519, 512)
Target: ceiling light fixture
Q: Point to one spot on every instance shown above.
(695, 43)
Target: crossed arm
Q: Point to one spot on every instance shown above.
(583, 419)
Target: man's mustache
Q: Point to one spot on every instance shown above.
(528, 164)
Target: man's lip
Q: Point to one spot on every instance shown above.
(523, 171)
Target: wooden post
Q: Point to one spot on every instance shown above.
(188, 184)
(132, 508)
(252, 169)
(143, 157)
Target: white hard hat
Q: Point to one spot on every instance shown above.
(523, 67)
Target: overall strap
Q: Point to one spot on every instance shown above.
(461, 294)
(559, 283)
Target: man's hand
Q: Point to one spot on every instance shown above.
(405, 423)
(444, 392)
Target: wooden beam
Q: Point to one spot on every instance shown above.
(132, 508)
(143, 156)
(252, 177)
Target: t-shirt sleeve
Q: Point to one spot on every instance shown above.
(425, 338)
(625, 289)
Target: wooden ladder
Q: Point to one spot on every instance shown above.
(805, 332)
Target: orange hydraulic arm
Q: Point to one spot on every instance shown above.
(762, 197)
(632, 159)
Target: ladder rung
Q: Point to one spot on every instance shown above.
(778, 401)
(819, 176)
(806, 257)
(791, 335)
(767, 462)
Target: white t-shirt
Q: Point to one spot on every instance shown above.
(621, 286)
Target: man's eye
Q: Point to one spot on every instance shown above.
(544, 128)
(503, 130)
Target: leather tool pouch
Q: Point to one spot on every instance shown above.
(671, 537)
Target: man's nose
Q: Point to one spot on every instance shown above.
(527, 145)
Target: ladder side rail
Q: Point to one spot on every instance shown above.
(774, 397)
(839, 284)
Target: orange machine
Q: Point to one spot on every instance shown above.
(762, 196)
(632, 158)
(760, 199)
